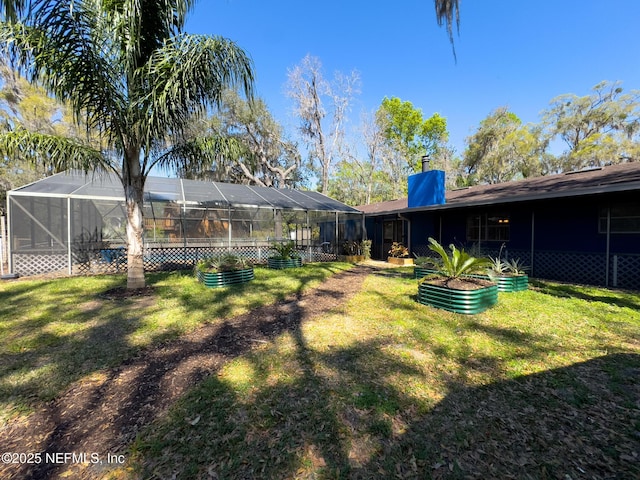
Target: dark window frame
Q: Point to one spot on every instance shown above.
(488, 227)
(625, 219)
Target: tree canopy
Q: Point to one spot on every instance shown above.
(132, 76)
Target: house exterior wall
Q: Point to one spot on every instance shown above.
(560, 239)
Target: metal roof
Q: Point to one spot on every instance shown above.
(613, 178)
(105, 186)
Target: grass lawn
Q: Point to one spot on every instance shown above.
(544, 385)
(55, 332)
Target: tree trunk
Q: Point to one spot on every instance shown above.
(134, 191)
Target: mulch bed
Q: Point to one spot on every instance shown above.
(103, 415)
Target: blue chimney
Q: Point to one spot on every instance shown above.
(426, 188)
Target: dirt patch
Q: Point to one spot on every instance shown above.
(120, 293)
(103, 415)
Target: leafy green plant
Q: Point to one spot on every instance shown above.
(351, 247)
(223, 263)
(285, 250)
(459, 262)
(497, 266)
(366, 249)
(398, 250)
(515, 267)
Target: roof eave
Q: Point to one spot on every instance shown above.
(598, 190)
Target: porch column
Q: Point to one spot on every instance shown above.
(69, 262)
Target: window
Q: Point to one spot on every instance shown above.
(625, 218)
(488, 227)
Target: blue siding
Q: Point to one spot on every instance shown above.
(566, 242)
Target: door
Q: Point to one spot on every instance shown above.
(392, 231)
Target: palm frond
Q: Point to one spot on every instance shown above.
(52, 151)
(11, 9)
(187, 75)
(69, 57)
(142, 27)
(200, 154)
(458, 262)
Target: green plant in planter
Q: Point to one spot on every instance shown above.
(285, 250)
(510, 276)
(497, 267)
(228, 269)
(515, 267)
(398, 250)
(452, 288)
(515, 279)
(223, 263)
(286, 256)
(459, 263)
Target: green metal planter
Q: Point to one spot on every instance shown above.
(419, 272)
(506, 283)
(279, 263)
(223, 279)
(515, 283)
(468, 302)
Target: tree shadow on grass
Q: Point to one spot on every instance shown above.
(263, 289)
(36, 361)
(580, 422)
(104, 414)
(620, 298)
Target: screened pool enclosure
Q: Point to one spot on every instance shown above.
(72, 223)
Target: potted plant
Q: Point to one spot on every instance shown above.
(352, 252)
(452, 288)
(224, 270)
(286, 256)
(398, 254)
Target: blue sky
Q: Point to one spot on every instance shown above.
(515, 53)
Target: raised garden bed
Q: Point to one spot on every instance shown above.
(400, 260)
(465, 301)
(351, 258)
(223, 279)
(419, 272)
(506, 283)
(279, 263)
(513, 283)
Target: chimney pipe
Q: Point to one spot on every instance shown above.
(425, 163)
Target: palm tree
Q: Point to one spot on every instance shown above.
(131, 75)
